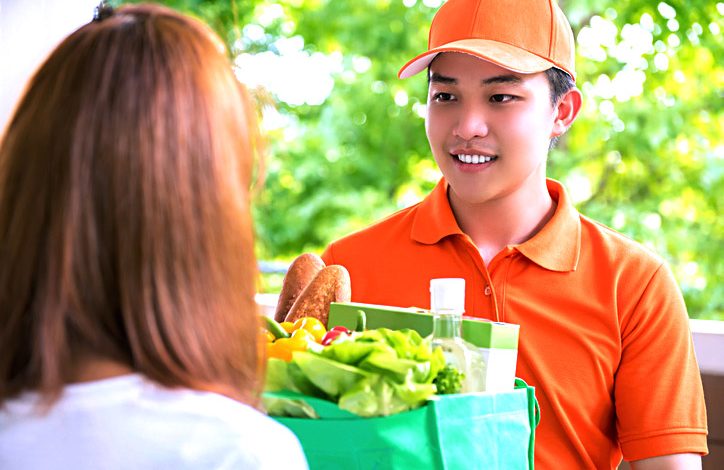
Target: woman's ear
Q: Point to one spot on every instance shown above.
(566, 111)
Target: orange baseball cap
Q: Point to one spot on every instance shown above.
(523, 36)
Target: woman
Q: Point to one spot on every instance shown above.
(127, 276)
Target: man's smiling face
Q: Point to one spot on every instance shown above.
(489, 128)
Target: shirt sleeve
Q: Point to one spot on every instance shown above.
(327, 256)
(658, 391)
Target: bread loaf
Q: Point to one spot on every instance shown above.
(331, 284)
(300, 274)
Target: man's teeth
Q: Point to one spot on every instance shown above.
(475, 158)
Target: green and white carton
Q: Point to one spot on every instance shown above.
(497, 341)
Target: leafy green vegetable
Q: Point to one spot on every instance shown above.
(350, 352)
(332, 377)
(277, 376)
(376, 373)
(288, 407)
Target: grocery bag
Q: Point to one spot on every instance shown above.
(486, 430)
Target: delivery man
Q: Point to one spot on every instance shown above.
(604, 329)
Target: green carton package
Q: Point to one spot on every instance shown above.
(497, 341)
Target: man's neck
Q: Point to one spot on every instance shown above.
(510, 220)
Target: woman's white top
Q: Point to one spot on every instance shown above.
(129, 422)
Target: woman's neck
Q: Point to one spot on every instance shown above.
(89, 368)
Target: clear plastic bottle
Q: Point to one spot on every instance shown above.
(447, 302)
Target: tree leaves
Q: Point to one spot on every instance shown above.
(644, 157)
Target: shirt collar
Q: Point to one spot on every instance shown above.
(434, 219)
(556, 247)
(558, 244)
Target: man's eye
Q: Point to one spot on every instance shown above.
(442, 97)
(501, 98)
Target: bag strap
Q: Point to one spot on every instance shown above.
(533, 416)
(534, 406)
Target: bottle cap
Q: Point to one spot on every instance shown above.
(447, 295)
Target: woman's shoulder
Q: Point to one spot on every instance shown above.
(244, 435)
(181, 427)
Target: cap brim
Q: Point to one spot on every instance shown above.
(504, 55)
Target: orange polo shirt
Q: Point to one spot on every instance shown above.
(604, 334)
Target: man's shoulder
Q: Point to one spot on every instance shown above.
(391, 228)
(616, 245)
(386, 240)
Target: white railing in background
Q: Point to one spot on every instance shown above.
(709, 345)
(267, 303)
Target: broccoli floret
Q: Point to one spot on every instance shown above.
(449, 380)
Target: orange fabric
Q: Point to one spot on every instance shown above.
(604, 330)
(526, 37)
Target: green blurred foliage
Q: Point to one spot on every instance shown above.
(644, 157)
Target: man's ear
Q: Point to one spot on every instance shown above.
(566, 111)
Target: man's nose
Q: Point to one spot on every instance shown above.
(472, 122)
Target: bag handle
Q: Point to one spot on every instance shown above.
(533, 416)
(534, 407)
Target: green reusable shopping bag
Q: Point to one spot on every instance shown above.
(465, 431)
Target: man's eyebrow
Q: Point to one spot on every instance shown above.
(508, 78)
(437, 78)
(514, 79)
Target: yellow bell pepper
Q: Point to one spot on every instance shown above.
(280, 349)
(288, 326)
(306, 333)
(312, 325)
(283, 348)
(268, 336)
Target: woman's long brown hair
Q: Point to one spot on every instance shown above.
(125, 227)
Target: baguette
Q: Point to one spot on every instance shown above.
(331, 284)
(300, 274)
